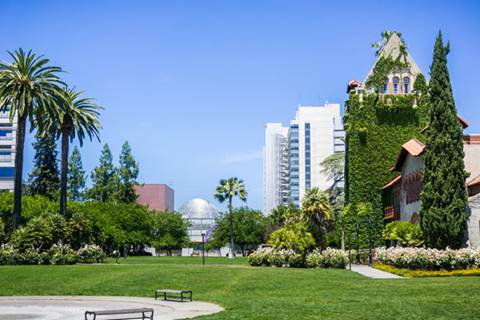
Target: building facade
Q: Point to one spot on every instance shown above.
(158, 197)
(8, 131)
(292, 155)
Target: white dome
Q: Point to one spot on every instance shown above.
(198, 209)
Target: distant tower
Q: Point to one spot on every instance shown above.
(8, 130)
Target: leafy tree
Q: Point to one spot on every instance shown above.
(169, 232)
(293, 237)
(128, 174)
(444, 197)
(285, 214)
(28, 89)
(249, 228)
(405, 233)
(2, 232)
(80, 228)
(76, 176)
(317, 214)
(44, 179)
(226, 191)
(420, 85)
(77, 118)
(104, 178)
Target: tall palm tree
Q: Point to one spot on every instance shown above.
(317, 213)
(227, 189)
(28, 88)
(77, 118)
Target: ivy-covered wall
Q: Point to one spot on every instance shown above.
(376, 127)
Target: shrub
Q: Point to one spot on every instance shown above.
(296, 260)
(329, 258)
(62, 254)
(91, 254)
(10, 256)
(405, 233)
(427, 273)
(292, 237)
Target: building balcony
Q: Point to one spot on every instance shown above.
(390, 214)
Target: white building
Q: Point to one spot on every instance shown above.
(292, 155)
(8, 131)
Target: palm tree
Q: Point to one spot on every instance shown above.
(28, 88)
(317, 212)
(77, 118)
(227, 189)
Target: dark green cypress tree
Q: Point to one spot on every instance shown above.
(127, 174)
(44, 179)
(104, 177)
(76, 176)
(444, 197)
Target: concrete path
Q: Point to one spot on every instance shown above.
(370, 272)
(74, 307)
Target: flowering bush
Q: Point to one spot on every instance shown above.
(429, 259)
(62, 254)
(329, 258)
(91, 253)
(10, 256)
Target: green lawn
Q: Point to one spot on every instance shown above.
(257, 293)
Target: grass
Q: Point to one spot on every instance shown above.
(257, 293)
(427, 273)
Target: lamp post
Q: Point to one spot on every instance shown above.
(203, 248)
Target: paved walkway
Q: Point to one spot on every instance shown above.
(74, 307)
(370, 272)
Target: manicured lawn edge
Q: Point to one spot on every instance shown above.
(426, 273)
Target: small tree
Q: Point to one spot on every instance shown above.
(169, 232)
(76, 176)
(317, 214)
(444, 196)
(104, 177)
(128, 174)
(44, 178)
(293, 237)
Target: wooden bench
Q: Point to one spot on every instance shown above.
(180, 295)
(141, 313)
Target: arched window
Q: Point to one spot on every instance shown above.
(385, 86)
(406, 85)
(396, 81)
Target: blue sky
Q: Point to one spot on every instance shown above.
(191, 84)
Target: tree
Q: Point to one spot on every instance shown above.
(76, 176)
(104, 178)
(44, 179)
(77, 118)
(444, 197)
(317, 213)
(127, 173)
(169, 232)
(28, 89)
(226, 191)
(249, 228)
(294, 237)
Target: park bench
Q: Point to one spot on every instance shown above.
(130, 314)
(177, 294)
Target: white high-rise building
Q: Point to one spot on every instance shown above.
(292, 155)
(8, 130)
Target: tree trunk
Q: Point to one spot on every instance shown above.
(64, 172)
(232, 244)
(17, 190)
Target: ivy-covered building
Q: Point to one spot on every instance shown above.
(383, 112)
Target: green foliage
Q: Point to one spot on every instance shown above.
(383, 67)
(91, 254)
(317, 214)
(292, 237)
(44, 178)
(444, 197)
(426, 273)
(390, 123)
(420, 85)
(2, 231)
(80, 229)
(283, 215)
(169, 231)
(104, 178)
(128, 174)
(76, 176)
(405, 233)
(249, 228)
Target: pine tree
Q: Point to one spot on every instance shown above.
(104, 178)
(76, 176)
(128, 173)
(444, 198)
(44, 178)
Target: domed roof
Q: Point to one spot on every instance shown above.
(198, 209)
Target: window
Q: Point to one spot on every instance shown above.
(396, 81)
(385, 86)
(406, 84)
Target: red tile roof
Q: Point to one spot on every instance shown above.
(413, 147)
(461, 119)
(474, 181)
(471, 139)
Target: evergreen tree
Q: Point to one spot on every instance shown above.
(444, 198)
(127, 174)
(44, 178)
(104, 178)
(76, 176)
